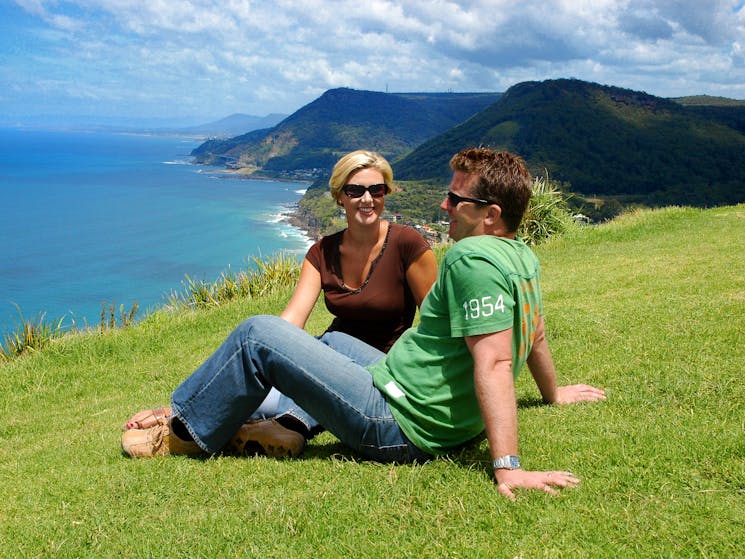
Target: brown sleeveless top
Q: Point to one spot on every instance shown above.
(383, 307)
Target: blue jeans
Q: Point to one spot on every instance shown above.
(277, 404)
(325, 378)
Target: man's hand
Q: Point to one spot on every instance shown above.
(507, 480)
(575, 393)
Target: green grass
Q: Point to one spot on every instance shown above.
(650, 306)
(547, 214)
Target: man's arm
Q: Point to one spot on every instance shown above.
(542, 368)
(495, 390)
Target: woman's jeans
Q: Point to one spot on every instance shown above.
(277, 404)
(326, 378)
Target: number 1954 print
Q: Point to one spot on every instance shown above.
(477, 308)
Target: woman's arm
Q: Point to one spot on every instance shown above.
(304, 298)
(421, 274)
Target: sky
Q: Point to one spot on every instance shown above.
(194, 61)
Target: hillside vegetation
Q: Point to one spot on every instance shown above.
(645, 306)
(343, 120)
(603, 140)
(609, 148)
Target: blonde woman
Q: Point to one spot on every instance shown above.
(373, 275)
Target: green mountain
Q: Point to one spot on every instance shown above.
(605, 141)
(342, 120)
(730, 112)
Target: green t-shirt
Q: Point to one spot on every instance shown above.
(485, 284)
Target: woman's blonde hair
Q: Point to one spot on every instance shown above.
(353, 162)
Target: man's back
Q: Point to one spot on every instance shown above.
(486, 284)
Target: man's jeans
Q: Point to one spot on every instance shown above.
(326, 378)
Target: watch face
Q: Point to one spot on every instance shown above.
(514, 462)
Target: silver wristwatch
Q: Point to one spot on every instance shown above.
(508, 462)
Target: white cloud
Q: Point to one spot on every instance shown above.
(260, 56)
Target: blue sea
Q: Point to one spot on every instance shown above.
(88, 218)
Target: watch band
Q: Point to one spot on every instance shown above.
(507, 462)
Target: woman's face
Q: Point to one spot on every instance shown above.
(365, 209)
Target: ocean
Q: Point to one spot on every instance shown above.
(88, 218)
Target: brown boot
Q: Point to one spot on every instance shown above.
(158, 440)
(266, 436)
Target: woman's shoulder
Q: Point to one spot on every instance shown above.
(406, 243)
(330, 240)
(407, 234)
(400, 230)
(324, 248)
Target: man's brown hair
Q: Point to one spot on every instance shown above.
(503, 179)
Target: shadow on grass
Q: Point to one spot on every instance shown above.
(530, 403)
(471, 455)
(325, 446)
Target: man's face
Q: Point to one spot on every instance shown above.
(466, 218)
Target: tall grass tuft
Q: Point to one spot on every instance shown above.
(108, 316)
(275, 272)
(548, 213)
(30, 336)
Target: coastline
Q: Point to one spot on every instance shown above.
(249, 173)
(294, 217)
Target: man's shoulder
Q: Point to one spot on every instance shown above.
(485, 244)
(497, 251)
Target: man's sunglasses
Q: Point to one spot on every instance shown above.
(454, 200)
(357, 190)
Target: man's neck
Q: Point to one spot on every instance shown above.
(498, 229)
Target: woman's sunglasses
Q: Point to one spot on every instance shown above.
(454, 200)
(357, 190)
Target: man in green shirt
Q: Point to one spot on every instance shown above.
(480, 323)
(442, 383)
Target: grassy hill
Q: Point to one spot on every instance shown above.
(645, 306)
(342, 120)
(603, 140)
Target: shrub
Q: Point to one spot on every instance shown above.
(548, 213)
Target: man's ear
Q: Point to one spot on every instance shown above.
(493, 214)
